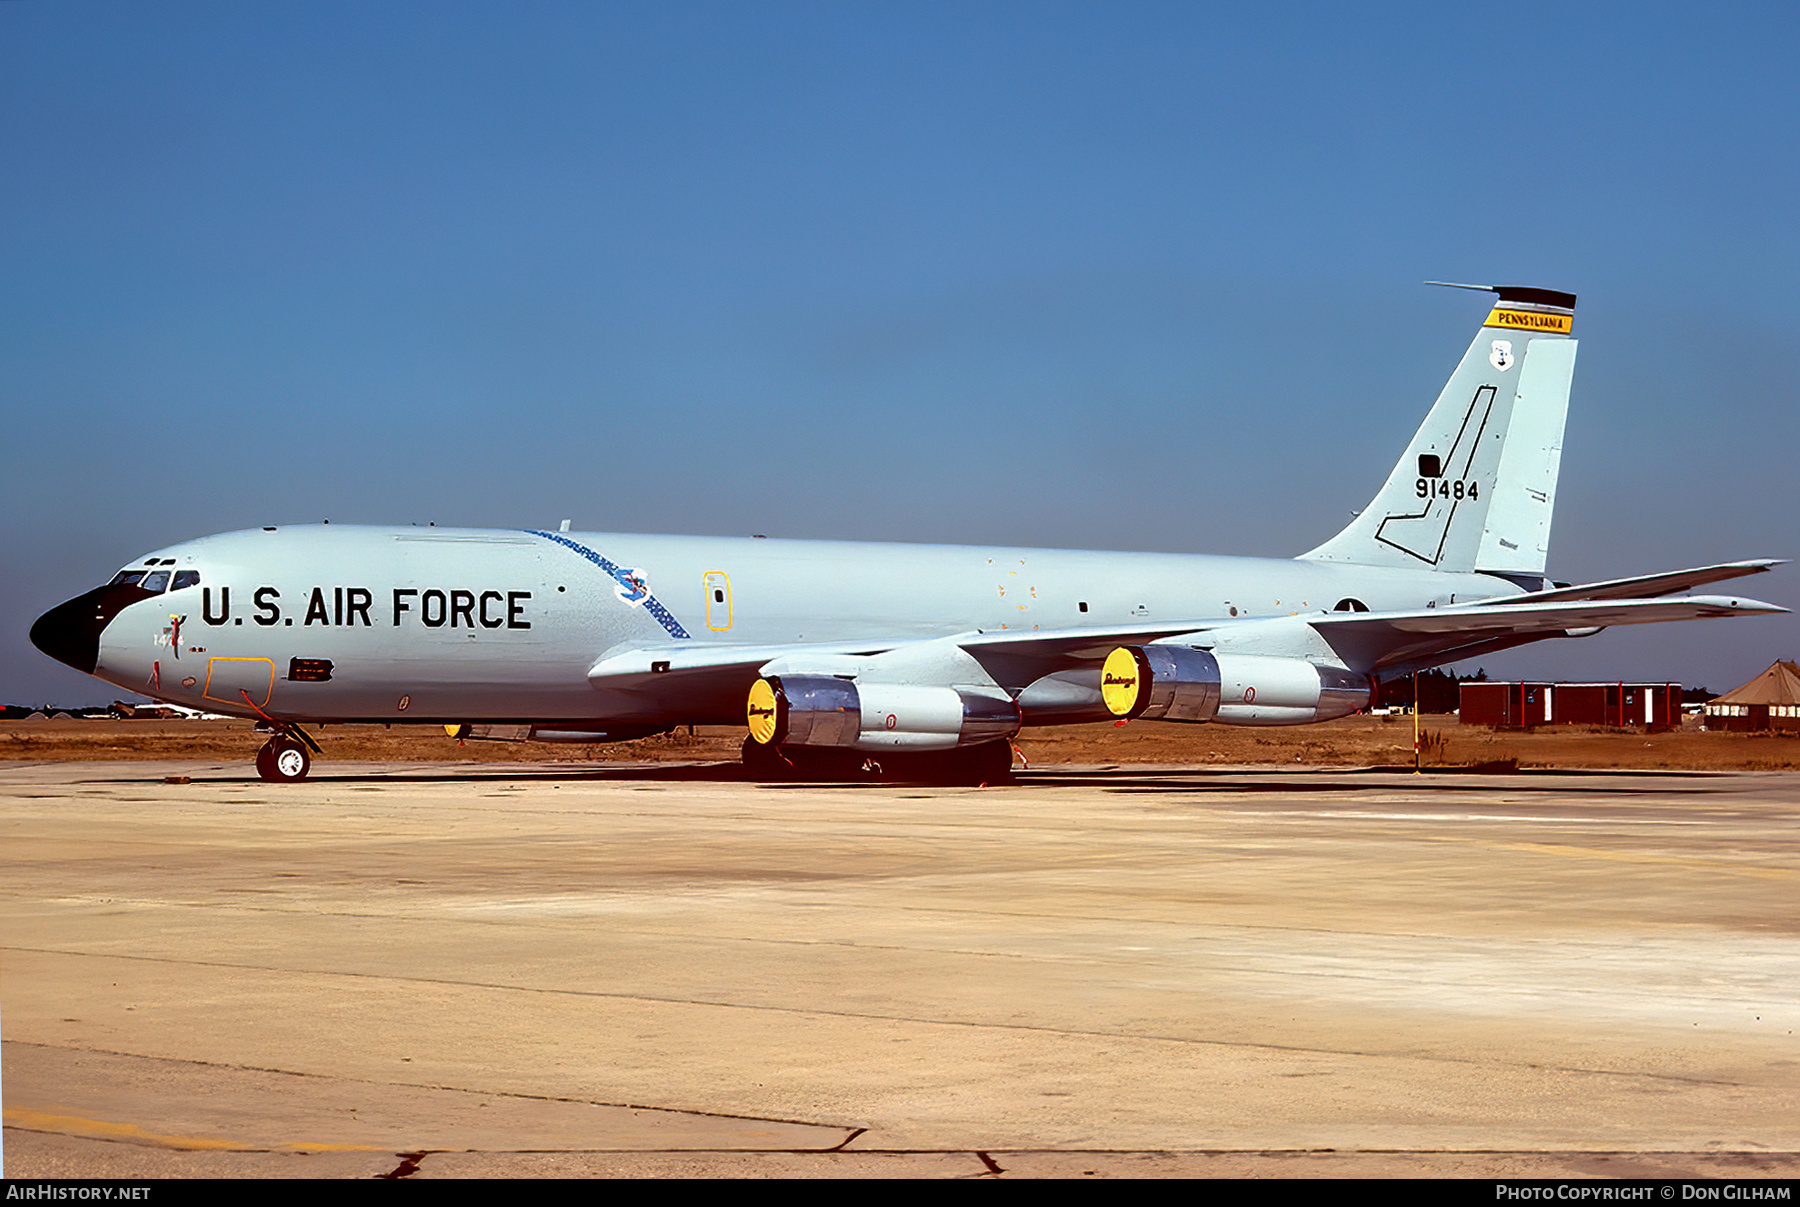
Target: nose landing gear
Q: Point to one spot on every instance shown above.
(285, 758)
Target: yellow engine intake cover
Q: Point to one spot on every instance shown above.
(1121, 682)
(761, 711)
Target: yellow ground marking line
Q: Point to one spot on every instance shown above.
(1569, 852)
(101, 1129)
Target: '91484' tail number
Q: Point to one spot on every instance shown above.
(1446, 488)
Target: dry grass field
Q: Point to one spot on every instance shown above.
(1354, 741)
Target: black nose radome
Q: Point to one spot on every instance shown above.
(70, 632)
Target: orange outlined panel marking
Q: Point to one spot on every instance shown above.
(228, 678)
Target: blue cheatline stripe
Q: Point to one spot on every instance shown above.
(663, 616)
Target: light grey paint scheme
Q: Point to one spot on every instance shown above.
(583, 633)
(1012, 615)
(832, 596)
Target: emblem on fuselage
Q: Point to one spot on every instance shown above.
(633, 586)
(1502, 355)
(170, 635)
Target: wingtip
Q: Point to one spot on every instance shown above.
(1738, 605)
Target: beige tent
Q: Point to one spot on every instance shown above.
(1769, 701)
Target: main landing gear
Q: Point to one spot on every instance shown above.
(988, 763)
(286, 757)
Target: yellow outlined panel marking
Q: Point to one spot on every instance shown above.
(718, 600)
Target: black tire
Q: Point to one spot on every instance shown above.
(966, 766)
(973, 766)
(282, 760)
(789, 763)
(991, 762)
(764, 762)
(825, 765)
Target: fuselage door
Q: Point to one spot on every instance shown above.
(718, 601)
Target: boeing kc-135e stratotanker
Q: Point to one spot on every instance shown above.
(922, 661)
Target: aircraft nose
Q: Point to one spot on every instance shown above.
(70, 632)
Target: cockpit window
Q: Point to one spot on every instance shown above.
(127, 578)
(185, 578)
(155, 581)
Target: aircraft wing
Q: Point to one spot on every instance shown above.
(705, 680)
(1419, 629)
(646, 665)
(715, 677)
(1369, 641)
(1366, 641)
(1547, 616)
(636, 666)
(1434, 635)
(1081, 645)
(1648, 586)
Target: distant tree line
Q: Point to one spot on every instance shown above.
(1439, 691)
(18, 712)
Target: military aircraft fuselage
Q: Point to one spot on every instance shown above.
(843, 652)
(334, 622)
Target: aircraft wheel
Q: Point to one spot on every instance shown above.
(966, 766)
(800, 763)
(826, 765)
(991, 762)
(988, 763)
(764, 762)
(283, 761)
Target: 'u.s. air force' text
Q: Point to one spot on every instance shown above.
(432, 607)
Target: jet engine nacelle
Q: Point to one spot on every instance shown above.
(822, 710)
(1260, 690)
(1176, 683)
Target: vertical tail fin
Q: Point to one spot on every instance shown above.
(1477, 487)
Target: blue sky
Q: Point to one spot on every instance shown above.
(912, 272)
